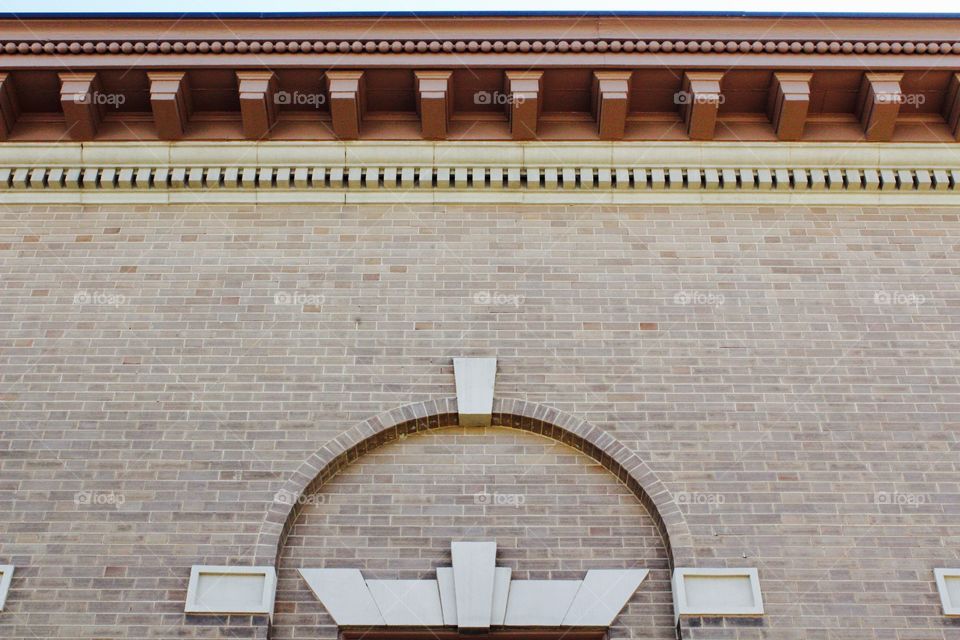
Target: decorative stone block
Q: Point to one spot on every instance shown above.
(407, 602)
(716, 592)
(475, 378)
(948, 584)
(345, 595)
(231, 590)
(540, 603)
(474, 594)
(474, 562)
(6, 576)
(602, 595)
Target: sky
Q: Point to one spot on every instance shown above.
(850, 6)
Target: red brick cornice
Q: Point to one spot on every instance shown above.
(519, 78)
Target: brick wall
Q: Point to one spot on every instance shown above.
(554, 512)
(791, 374)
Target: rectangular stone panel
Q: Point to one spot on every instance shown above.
(948, 584)
(717, 592)
(224, 590)
(6, 576)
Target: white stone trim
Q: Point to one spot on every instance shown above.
(714, 595)
(948, 584)
(448, 595)
(346, 596)
(540, 603)
(407, 603)
(6, 577)
(475, 379)
(474, 594)
(501, 595)
(602, 595)
(474, 564)
(481, 172)
(216, 590)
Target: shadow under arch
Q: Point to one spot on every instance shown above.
(340, 452)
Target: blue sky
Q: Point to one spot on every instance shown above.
(63, 6)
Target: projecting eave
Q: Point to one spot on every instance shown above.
(483, 77)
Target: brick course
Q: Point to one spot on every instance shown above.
(790, 374)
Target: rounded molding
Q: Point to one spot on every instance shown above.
(460, 47)
(540, 419)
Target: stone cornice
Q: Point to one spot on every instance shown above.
(406, 173)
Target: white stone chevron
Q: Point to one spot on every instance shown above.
(501, 592)
(474, 594)
(602, 596)
(540, 603)
(414, 603)
(345, 595)
(448, 595)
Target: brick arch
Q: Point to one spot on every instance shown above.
(614, 456)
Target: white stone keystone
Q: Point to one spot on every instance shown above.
(475, 380)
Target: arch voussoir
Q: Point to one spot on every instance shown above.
(544, 420)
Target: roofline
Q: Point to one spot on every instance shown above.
(462, 14)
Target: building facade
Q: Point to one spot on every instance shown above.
(553, 326)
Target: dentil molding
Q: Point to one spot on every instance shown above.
(508, 172)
